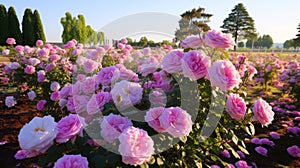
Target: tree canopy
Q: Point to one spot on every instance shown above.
(4, 34)
(192, 23)
(38, 27)
(14, 25)
(28, 35)
(239, 24)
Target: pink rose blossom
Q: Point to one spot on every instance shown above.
(149, 66)
(152, 118)
(225, 153)
(70, 161)
(68, 128)
(120, 46)
(124, 41)
(195, 64)
(176, 121)
(294, 151)
(191, 42)
(90, 66)
(34, 61)
(50, 66)
(235, 106)
(70, 105)
(65, 92)
(108, 75)
(19, 48)
(262, 112)
(39, 43)
(44, 52)
(274, 135)
(242, 164)
(157, 98)
(31, 95)
(10, 41)
(136, 147)
(89, 85)
(23, 154)
(41, 75)
(54, 57)
(29, 69)
(147, 51)
(80, 103)
(55, 86)
(217, 39)
(5, 52)
(224, 75)
(10, 101)
(261, 150)
(41, 105)
(127, 74)
(54, 96)
(97, 102)
(172, 62)
(113, 125)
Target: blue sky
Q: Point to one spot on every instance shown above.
(277, 18)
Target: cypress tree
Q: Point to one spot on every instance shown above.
(3, 25)
(38, 27)
(28, 35)
(14, 26)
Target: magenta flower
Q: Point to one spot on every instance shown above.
(235, 106)
(54, 96)
(261, 150)
(113, 125)
(224, 75)
(242, 164)
(262, 112)
(256, 141)
(136, 147)
(195, 64)
(294, 151)
(108, 75)
(41, 105)
(39, 43)
(68, 161)
(10, 41)
(217, 39)
(68, 128)
(29, 69)
(225, 153)
(274, 135)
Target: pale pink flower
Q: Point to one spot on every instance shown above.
(89, 85)
(147, 51)
(120, 46)
(44, 52)
(97, 102)
(152, 118)
(80, 103)
(55, 86)
(176, 121)
(235, 106)
(65, 91)
(126, 94)
(263, 112)
(113, 125)
(70, 105)
(195, 64)
(19, 48)
(108, 75)
(39, 43)
(294, 151)
(38, 135)
(127, 74)
(29, 69)
(23, 154)
(157, 98)
(72, 161)
(224, 75)
(149, 66)
(10, 41)
(10, 101)
(41, 75)
(172, 61)
(136, 147)
(69, 127)
(217, 39)
(50, 66)
(41, 105)
(5, 52)
(31, 95)
(261, 150)
(191, 42)
(54, 57)
(34, 61)
(124, 41)
(90, 66)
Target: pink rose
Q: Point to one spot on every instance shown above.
(54, 57)
(113, 125)
(149, 66)
(97, 102)
(41, 105)
(152, 118)
(39, 43)
(191, 42)
(274, 135)
(157, 98)
(147, 51)
(5, 52)
(19, 48)
(10, 101)
(80, 103)
(50, 66)
(235, 106)
(242, 164)
(224, 75)
(23, 154)
(90, 66)
(126, 94)
(65, 92)
(68, 161)
(225, 153)
(172, 62)
(127, 74)
(136, 147)
(10, 41)
(68, 128)
(34, 61)
(124, 41)
(70, 105)
(261, 150)
(176, 121)
(195, 64)
(29, 69)
(217, 39)
(120, 46)
(54, 86)
(54, 96)
(44, 52)
(89, 85)
(262, 112)
(41, 75)
(108, 75)
(31, 95)
(294, 151)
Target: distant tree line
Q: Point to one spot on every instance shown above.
(294, 42)
(76, 28)
(144, 42)
(32, 27)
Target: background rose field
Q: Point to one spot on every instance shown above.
(100, 105)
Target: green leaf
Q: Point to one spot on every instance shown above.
(159, 161)
(244, 150)
(225, 54)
